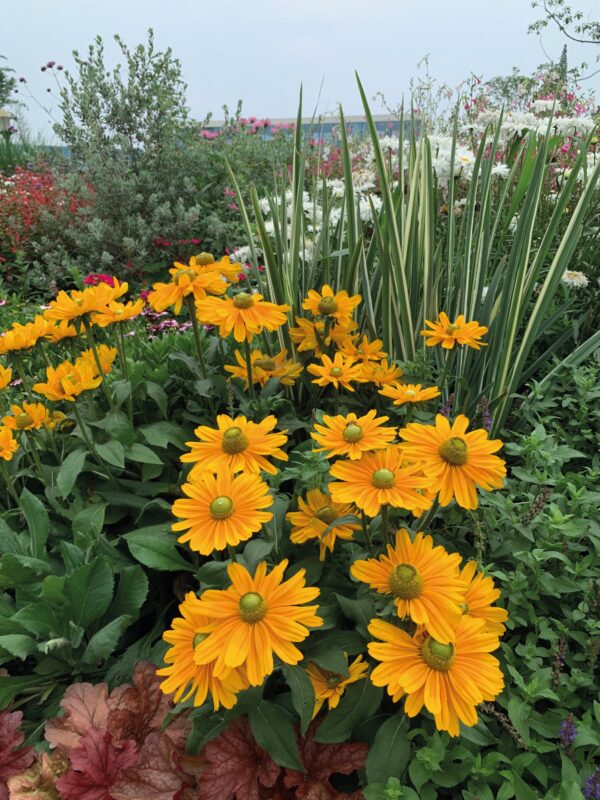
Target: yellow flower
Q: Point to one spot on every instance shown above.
(402, 393)
(185, 282)
(351, 435)
(106, 356)
(310, 336)
(314, 515)
(255, 618)
(363, 350)
(19, 337)
(339, 372)
(423, 581)
(244, 315)
(381, 374)
(5, 376)
(449, 333)
(450, 680)
(455, 462)
(331, 686)
(67, 381)
(30, 416)
(479, 598)
(339, 306)
(118, 312)
(8, 443)
(205, 262)
(222, 510)
(237, 445)
(54, 419)
(76, 304)
(376, 479)
(57, 331)
(265, 367)
(184, 676)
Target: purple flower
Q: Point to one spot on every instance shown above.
(446, 409)
(568, 732)
(591, 789)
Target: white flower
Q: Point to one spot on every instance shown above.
(501, 170)
(270, 227)
(512, 225)
(264, 205)
(241, 254)
(577, 280)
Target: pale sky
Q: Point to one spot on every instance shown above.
(261, 50)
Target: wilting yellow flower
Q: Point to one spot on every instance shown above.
(339, 372)
(221, 510)
(451, 680)
(376, 479)
(57, 331)
(339, 306)
(351, 435)
(8, 443)
(118, 312)
(479, 598)
(423, 581)
(455, 462)
(380, 373)
(244, 315)
(449, 333)
(28, 417)
(255, 618)
(76, 304)
(67, 381)
(363, 350)
(184, 676)
(106, 357)
(237, 445)
(314, 515)
(5, 376)
(54, 419)
(265, 367)
(310, 336)
(331, 686)
(402, 393)
(185, 282)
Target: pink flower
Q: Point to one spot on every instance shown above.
(94, 278)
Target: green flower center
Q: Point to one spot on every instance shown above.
(464, 607)
(184, 273)
(409, 393)
(252, 607)
(328, 305)
(204, 259)
(243, 300)
(436, 655)
(198, 639)
(326, 514)
(265, 363)
(336, 372)
(234, 441)
(405, 582)
(221, 507)
(23, 421)
(353, 433)
(451, 329)
(455, 451)
(333, 681)
(383, 478)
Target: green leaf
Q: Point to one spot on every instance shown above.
(156, 547)
(18, 645)
(274, 732)
(303, 694)
(142, 454)
(519, 713)
(89, 522)
(104, 641)
(360, 701)
(69, 471)
(21, 570)
(113, 453)
(330, 649)
(131, 593)
(389, 753)
(11, 686)
(38, 522)
(204, 730)
(89, 590)
(361, 611)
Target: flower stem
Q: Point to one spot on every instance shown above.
(232, 554)
(123, 360)
(90, 444)
(92, 341)
(196, 328)
(10, 485)
(248, 354)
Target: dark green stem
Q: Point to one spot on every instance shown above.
(88, 329)
(248, 354)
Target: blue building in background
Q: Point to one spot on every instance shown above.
(320, 128)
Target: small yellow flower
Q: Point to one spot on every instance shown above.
(185, 282)
(57, 331)
(402, 393)
(363, 350)
(5, 376)
(67, 381)
(449, 333)
(314, 515)
(8, 443)
(205, 262)
(310, 336)
(351, 435)
(339, 372)
(118, 312)
(380, 373)
(28, 417)
(331, 686)
(339, 306)
(479, 598)
(76, 304)
(265, 367)
(106, 356)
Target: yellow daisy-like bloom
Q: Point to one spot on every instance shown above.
(222, 510)
(423, 580)
(377, 479)
(19, 337)
(30, 416)
(244, 315)
(450, 680)
(310, 336)
(76, 304)
(380, 373)
(185, 282)
(5, 376)
(402, 393)
(331, 686)
(205, 262)
(449, 333)
(339, 306)
(118, 312)
(67, 381)
(265, 367)
(54, 419)
(363, 350)
(57, 331)
(237, 445)
(106, 357)
(454, 461)
(254, 618)
(184, 676)
(314, 515)
(351, 435)
(338, 372)
(8, 443)
(479, 598)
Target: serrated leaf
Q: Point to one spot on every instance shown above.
(38, 522)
